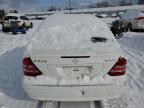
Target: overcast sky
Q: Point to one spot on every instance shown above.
(19, 3)
(30, 4)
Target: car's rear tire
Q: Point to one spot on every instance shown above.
(24, 32)
(120, 35)
(5, 29)
(129, 27)
(23, 26)
(31, 26)
(14, 33)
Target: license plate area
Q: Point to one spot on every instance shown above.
(77, 72)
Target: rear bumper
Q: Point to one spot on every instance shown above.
(7, 27)
(28, 25)
(138, 27)
(72, 93)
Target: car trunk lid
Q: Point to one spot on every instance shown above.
(73, 64)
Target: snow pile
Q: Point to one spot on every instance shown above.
(70, 32)
(85, 81)
(8, 41)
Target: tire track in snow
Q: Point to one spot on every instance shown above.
(20, 104)
(132, 97)
(130, 54)
(134, 83)
(135, 71)
(134, 68)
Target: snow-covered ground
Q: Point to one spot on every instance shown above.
(132, 45)
(133, 97)
(11, 52)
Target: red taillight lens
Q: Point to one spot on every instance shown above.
(29, 68)
(139, 18)
(17, 22)
(119, 68)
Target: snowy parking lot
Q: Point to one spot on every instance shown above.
(133, 97)
(12, 48)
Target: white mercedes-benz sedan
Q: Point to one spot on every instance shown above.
(73, 58)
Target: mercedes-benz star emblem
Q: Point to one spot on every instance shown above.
(75, 61)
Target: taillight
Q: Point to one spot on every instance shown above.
(18, 21)
(29, 68)
(119, 68)
(139, 18)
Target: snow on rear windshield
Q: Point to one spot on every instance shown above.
(69, 31)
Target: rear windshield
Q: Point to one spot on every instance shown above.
(23, 18)
(10, 18)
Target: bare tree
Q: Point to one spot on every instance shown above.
(105, 4)
(52, 8)
(92, 6)
(102, 4)
(141, 2)
(124, 3)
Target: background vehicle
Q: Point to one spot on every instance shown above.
(118, 28)
(102, 16)
(73, 60)
(15, 28)
(2, 14)
(133, 20)
(114, 15)
(22, 21)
